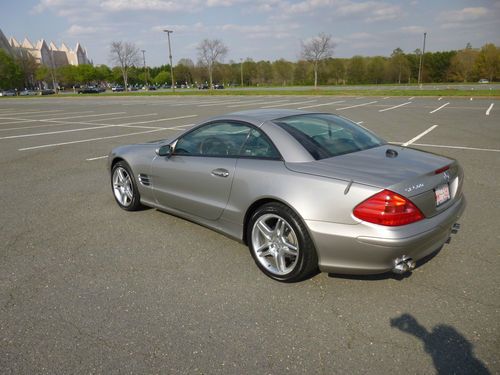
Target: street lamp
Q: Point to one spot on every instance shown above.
(421, 61)
(144, 61)
(241, 66)
(170, 57)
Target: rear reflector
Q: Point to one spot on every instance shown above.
(441, 170)
(389, 209)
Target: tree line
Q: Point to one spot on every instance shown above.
(465, 65)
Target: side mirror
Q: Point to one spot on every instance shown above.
(165, 150)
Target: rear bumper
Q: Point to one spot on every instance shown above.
(367, 248)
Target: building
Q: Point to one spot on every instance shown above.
(46, 54)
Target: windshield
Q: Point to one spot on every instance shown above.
(325, 136)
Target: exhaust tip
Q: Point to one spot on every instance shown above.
(403, 265)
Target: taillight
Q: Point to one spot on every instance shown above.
(388, 208)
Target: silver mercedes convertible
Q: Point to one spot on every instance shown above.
(305, 191)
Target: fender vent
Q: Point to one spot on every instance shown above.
(144, 179)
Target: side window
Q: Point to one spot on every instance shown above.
(258, 145)
(223, 139)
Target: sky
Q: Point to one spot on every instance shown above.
(256, 29)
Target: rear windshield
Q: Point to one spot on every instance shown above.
(325, 136)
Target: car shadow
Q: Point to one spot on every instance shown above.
(386, 275)
(451, 352)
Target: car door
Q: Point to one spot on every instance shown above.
(196, 178)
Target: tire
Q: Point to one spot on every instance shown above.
(124, 187)
(280, 244)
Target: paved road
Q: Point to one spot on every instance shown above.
(88, 288)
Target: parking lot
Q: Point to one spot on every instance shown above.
(86, 287)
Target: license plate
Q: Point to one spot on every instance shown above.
(442, 194)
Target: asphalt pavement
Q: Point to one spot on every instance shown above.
(86, 287)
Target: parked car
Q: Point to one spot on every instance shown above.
(89, 90)
(47, 92)
(27, 93)
(203, 86)
(302, 190)
(8, 93)
(218, 86)
(484, 80)
(117, 88)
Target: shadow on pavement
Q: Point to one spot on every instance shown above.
(450, 351)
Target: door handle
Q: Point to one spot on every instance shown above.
(220, 172)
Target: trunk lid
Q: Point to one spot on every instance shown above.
(411, 173)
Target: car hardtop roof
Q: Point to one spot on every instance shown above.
(258, 116)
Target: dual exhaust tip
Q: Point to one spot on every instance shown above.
(406, 264)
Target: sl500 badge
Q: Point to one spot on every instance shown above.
(414, 187)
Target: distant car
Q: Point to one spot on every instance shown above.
(8, 93)
(483, 80)
(27, 93)
(117, 88)
(89, 90)
(218, 86)
(203, 87)
(47, 92)
(303, 190)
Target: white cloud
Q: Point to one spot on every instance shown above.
(412, 29)
(198, 27)
(466, 14)
(467, 17)
(77, 30)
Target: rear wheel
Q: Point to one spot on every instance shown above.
(280, 244)
(124, 187)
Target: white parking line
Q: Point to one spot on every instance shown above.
(255, 103)
(100, 126)
(101, 138)
(98, 115)
(97, 158)
(62, 123)
(289, 104)
(29, 112)
(440, 98)
(419, 136)
(387, 97)
(411, 98)
(321, 105)
(437, 109)
(396, 106)
(489, 109)
(219, 103)
(357, 105)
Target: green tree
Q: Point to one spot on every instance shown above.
(162, 77)
(85, 74)
(462, 64)
(10, 73)
(356, 70)
(28, 66)
(282, 72)
(398, 65)
(103, 73)
(375, 70)
(488, 62)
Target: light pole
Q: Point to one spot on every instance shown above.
(421, 61)
(241, 66)
(170, 57)
(144, 61)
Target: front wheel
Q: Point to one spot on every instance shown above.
(124, 187)
(280, 244)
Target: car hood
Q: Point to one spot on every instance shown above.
(373, 166)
